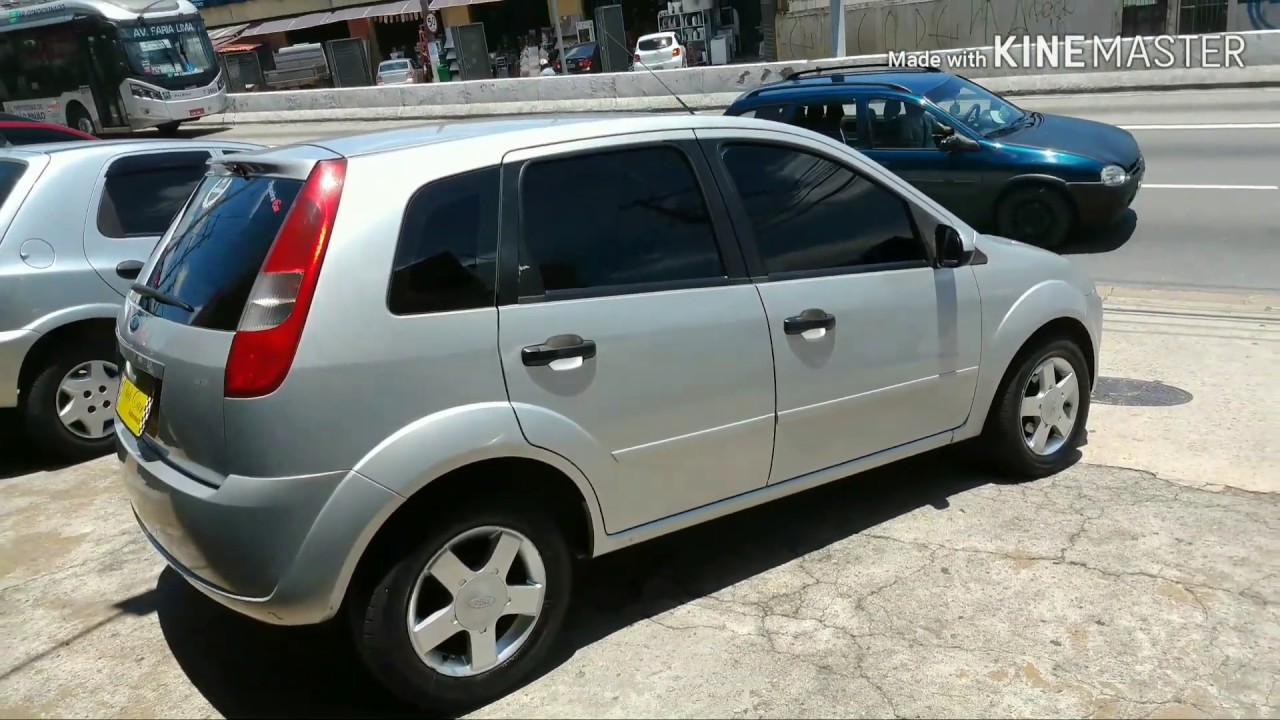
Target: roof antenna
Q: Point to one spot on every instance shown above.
(608, 35)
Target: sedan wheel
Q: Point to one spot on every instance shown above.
(86, 399)
(1038, 415)
(489, 615)
(470, 614)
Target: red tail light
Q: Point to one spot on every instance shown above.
(675, 52)
(270, 328)
(637, 57)
(585, 64)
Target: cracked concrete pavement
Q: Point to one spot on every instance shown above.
(1143, 582)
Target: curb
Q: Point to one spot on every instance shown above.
(1263, 307)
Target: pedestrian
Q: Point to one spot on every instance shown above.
(546, 67)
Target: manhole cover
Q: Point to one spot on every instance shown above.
(1138, 393)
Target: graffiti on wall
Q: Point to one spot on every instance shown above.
(941, 25)
(1261, 14)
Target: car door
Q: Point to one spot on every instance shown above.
(135, 199)
(953, 178)
(631, 342)
(873, 346)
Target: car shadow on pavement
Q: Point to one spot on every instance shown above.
(247, 669)
(1105, 241)
(16, 458)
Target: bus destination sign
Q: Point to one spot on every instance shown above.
(156, 30)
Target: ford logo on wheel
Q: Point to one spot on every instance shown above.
(481, 602)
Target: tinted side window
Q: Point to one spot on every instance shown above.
(34, 136)
(446, 258)
(143, 193)
(809, 213)
(901, 125)
(615, 218)
(779, 113)
(10, 172)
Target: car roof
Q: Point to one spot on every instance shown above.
(116, 146)
(915, 82)
(514, 133)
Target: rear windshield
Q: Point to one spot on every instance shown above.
(580, 51)
(395, 65)
(657, 43)
(218, 246)
(10, 172)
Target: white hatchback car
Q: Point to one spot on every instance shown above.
(659, 51)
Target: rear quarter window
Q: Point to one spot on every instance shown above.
(11, 172)
(143, 193)
(446, 257)
(218, 246)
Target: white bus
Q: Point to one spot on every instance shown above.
(108, 65)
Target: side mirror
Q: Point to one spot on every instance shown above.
(949, 248)
(958, 143)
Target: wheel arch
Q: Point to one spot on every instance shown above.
(487, 455)
(92, 329)
(1030, 180)
(1050, 309)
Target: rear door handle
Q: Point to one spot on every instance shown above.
(129, 269)
(558, 347)
(811, 319)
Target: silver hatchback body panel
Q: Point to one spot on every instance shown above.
(56, 268)
(696, 406)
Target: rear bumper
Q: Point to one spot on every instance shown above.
(14, 347)
(1099, 206)
(281, 550)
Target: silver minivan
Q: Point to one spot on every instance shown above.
(395, 376)
(77, 220)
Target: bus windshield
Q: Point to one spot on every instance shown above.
(167, 48)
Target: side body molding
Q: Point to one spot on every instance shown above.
(437, 444)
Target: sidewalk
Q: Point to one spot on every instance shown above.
(1220, 348)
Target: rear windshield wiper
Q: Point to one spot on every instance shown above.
(160, 297)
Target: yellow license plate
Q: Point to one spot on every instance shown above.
(132, 406)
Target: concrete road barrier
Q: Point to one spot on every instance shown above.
(1189, 62)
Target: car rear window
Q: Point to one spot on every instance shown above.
(580, 51)
(217, 248)
(10, 172)
(657, 43)
(393, 66)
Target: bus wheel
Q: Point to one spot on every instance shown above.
(78, 118)
(168, 128)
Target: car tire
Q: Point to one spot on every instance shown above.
(43, 397)
(168, 129)
(80, 119)
(381, 621)
(1010, 432)
(1037, 214)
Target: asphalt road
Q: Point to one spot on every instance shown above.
(1207, 218)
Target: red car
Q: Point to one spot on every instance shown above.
(14, 132)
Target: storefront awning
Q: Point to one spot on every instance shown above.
(236, 47)
(285, 24)
(439, 4)
(226, 33)
(400, 7)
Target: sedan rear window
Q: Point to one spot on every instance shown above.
(394, 66)
(217, 248)
(10, 172)
(657, 43)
